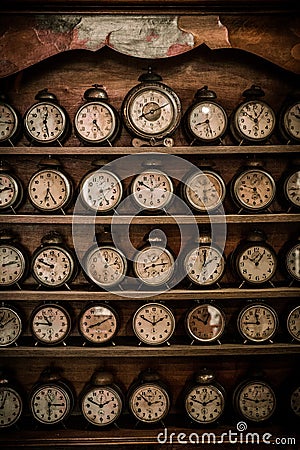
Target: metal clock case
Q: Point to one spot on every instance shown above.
(11, 324)
(53, 264)
(289, 119)
(14, 261)
(290, 404)
(97, 122)
(293, 324)
(254, 261)
(11, 401)
(205, 121)
(10, 122)
(257, 323)
(289, 257)
(253, 121)
(205, 323)
(11, 189)
(50, 324)
(204, 399)
(151, 111)
(98, 323)
(289, 186)
(51, 399)
(253, 188)
(102, 401)
(46, 122)
(148, 398)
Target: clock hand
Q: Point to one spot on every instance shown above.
(2, 325)
(152, 111)
(260, 256)
(147, 320)
(57, 404)
(3, 401)
(252, 323)
(98, 404)
(141, 183)
(9, 263)
(54, 201)
(99, 323)
(6, 121)
(209, 401)
(249, 115)
(43, 323)
(6, 189)
(96, 124)
(45, 263)
(159, 320)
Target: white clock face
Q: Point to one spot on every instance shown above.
(152, 190)
(204, 265)
(101, 406)
(9, 191)
(52, 266)
(257, 323)
(95, 122)
(255, 120)
(12, 265)
(292, 262)
(153, 323)
(295, 401)
(149, 403)
(256, 264)
(254, 189)
(8, 122)
(98, 324)
(293, 323)
(204, 404)
(49, 190)
(292, 188)
(205, 323)
(10, 326)
(11, 406)
(291, 121)
(101, 191)
(50, 324)
(45, 122)
(256, 401)
(50, 404)
(154, 265)
(207, 121)
(205, 191)
(105, 266)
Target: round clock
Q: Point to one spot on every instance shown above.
(98, 323)
(293, 323)
(148, 398)
(50, 189)
(205, 323)
(46, 122)
(204, 264)
(11, 403)
(101, 402)
(13, 260)
(10, 324)
(290, 260)
(290, 185)
(253, 260)
(96, 121)
(53, 264)
(253, 188)
(51, 398)
(255, 400)
(101, 190)
(204, 399)
(153, 265)
(50, 323)
(205, 121)
(253, 121)
(289, 120)
(10, 126)
(257, 323)
(295, 401)
(153, 323)
(151, 110)
(11, 189)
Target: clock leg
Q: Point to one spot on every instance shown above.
(241, 285)
(67, 286)
(18, 286)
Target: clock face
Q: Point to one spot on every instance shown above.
(49, 190)
(291, 188)
(149, 403)
(8, 122)
(45, 123)
(11, 406)
(295, 401)
(95, 122)
(101, 191)
(101, 405)
(152, 190)
(204, 404)
(50, 404)
(154, 265)
(257, 323)
(205, 323)
(207, 121)
(291, 121)
(205, 191)
(292, 262)
(254, 121)
(50, 324)
(254, 189)
(52, 266)
(9, 191)
(98, 323)
(153, 323)
(12, 265)
(293, 323)
(256, 401)
(151, 110)
(256, 264)
(204, 265)
(10, 326)
(105, 266)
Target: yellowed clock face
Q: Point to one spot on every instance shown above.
(291, 121)
(292, 188)
(45, 122)
(12, 265)
(50, 404)
(10, 326)
(105, 266)
(205, 191)
(153, 323)
(152, 190)
(50, 324)
(293, 323)
(204, 265)
(98, 324)
(207, 121)
(101, 191)
(204, 404)
(149, 403)
(154, 265)
(52, 266)
(95, 122)
(9, 191)
(254, 120)
(101, 405)
(254, 189)
(256, 401)
(205, 323)
(256, 264)
(11, 406)
(8, 122)
(257, 323)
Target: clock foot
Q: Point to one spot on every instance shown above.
(18, 286)
(271, 284)
(10, 142)
(166, 142)
(192, 342)
(241, 285)
(14, 212)
(116, 425)
(59, 143)
(67, 286)
(62, 211)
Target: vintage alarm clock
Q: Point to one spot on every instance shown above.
(153, 264)
(11, 401)
(51, 399)
(254, 400)
(289, 119)
(257, 323)
(205, 323)
(290, 185)
(204, 264)
(14, 262)
(148, 398)
(289, 257)
(97, 122)
(253, 121)
(11, 324)
(253, 188)
(10, 123)
(205, 121)
(254, 260)
(11, 189)
(50, 189)
(153, 323)
(151, 111)
(101, 189)
(46, 122)
(204, 398)
(50, 323)
(104, 265)
(293, 323)
(53, 264)
(98, 323)
(102, 400)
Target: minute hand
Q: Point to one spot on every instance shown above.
(153, 110)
